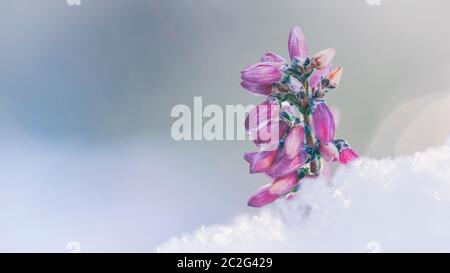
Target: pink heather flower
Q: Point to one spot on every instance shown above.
(323, 58)
(323, 123)
(270, 133)
(294, 141)
(261, 115)
(263, 73)
(317, 76)
(297, 44)
(335, 76)
(260, 161)
(258, 89)
(284, 165)
(284, 184)
(272, 57)
(329, 152)
(281, 142)
(262, 197)
(346, 155)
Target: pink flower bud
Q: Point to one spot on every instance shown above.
(294, 84)
(323, 123)
(262, 197)
(323, 58)
(261, 115)
(260, 161)
(329, 152)
(346, 155)
(284, 184)
(284, 165)
(271, 133)
(317, 76)
(272, 57)
(335, 76)
(263, 73)
(294, 141)
(258, 89)
(297, 44)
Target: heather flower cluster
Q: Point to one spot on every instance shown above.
(293, 128)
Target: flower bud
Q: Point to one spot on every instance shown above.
(297, 44)
(272, 57)
(260, 161)
(263, 73)
(284, 184)
(258, 89)
(329, 152)
(323, 58)
(334, 77)
(346, 155)
(284, 165)
(294, 141)
(270, 134)
(262, 197)
(261, 115)
(323, 122)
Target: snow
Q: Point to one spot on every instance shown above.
(373, 205)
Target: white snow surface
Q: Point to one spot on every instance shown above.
(371, 205)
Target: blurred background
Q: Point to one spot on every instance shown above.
(86, 93)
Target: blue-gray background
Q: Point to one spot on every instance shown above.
(86, 93)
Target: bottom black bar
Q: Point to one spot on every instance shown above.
(221, 262)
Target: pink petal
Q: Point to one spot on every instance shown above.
(258, 89)
(294, 141)
(323, 58)
(329, 152)
(323, 123)
(271, 133)
(285, 165)
(260, 161)
(261, 114)
(317, 76)
(335, 76)
(347, 155)
(262, 197)
(297, 44)
(284, 184)
(263, 73)
(272, 57)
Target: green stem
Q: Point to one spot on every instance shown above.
(310, 140)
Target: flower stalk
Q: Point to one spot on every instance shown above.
(294, 128)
